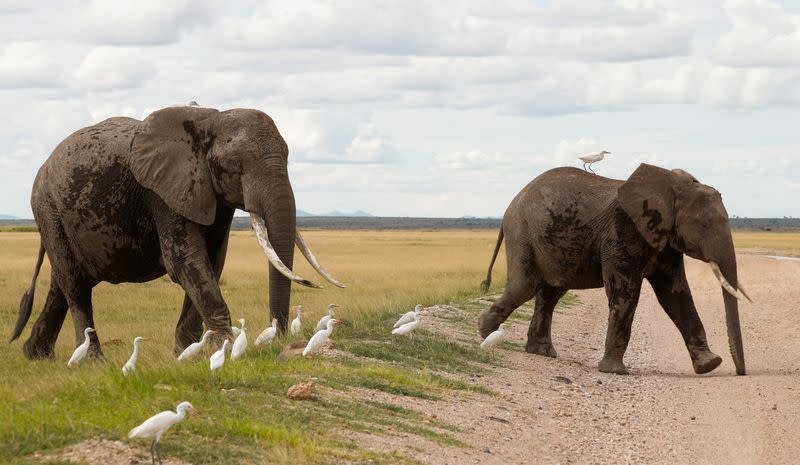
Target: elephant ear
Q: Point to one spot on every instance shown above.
(168, 156)
(648, 197)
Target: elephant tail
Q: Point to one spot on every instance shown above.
(26, 304)
(488, 281)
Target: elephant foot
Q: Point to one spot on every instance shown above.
(216, 339)
(545, 349)
(34, 351)
(95, 351)
(489, 321)
(612, 365)
(706, 361)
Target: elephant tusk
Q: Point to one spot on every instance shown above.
(744, 293)
(724, 282)
(301, 244)
(261, 234)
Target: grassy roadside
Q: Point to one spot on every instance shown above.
(243, 414)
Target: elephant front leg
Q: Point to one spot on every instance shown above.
(539, 337)
(190, 324)
(623, 296)
(185, 253)
(673, 293)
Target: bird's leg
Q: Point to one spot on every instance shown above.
(584, 166)
(158, 454)
(590, 169)
(152, 453)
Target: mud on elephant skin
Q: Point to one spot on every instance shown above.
(568, 229)
(128, 201)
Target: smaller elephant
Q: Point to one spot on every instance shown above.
(568, 229)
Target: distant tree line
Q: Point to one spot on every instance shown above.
(388, 223)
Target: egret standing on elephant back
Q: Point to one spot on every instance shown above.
(568, 229)
(128, 201)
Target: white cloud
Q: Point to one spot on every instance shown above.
(28, 64)
(369, 146)
(138, 22)
(763, 34)
(113, 68)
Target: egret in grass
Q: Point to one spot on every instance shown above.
(406, 328)
(130, 365)
(408, 317)
(494, 337)
(268, 334)
(323, 322)
(81, 350)
(319, 338)
(217, 359)
(240, 344)
(297, 325)
(193, 350)
(589, 159)
(155, 427)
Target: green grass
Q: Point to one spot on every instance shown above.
(44, 406)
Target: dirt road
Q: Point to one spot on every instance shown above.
(564, 411)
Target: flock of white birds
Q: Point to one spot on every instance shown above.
(154, 427)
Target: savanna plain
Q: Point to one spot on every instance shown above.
(434, 398)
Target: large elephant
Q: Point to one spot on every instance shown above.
(128, 201)
(568, 229)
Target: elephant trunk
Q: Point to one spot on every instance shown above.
(272, 208)
(723, 262)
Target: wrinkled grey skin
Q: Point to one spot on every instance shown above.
(128, 201)
(568, 229)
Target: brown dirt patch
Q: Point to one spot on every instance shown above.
(106, 452)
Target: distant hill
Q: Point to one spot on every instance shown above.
(7, 217)
(355, 214)
(304, 214)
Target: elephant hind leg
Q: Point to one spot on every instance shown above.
(80, 302)
(539, 340)
(516, 293)
(44, 333)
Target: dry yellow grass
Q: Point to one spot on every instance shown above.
(767, 240)
(382, 270)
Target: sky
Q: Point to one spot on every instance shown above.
(412, 108)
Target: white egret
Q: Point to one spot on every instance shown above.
(130, 365)
(155, 427)
(589, 159)
(193, 350)
(268, 334)
(405, 329)
(81, 350)
(494, 337)
(297, 325)
(240, 344)
(408, 317)
(319, 338)
(323, 322)
(217, 359)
